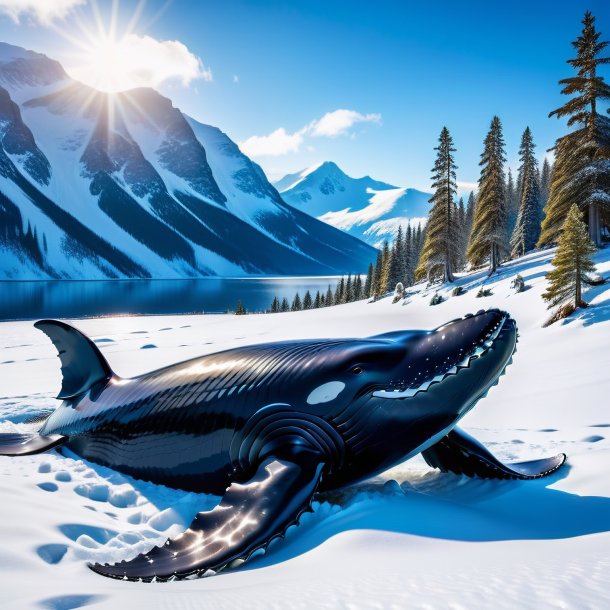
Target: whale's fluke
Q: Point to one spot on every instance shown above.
(28, 444)
(82, 363)
(459, 453)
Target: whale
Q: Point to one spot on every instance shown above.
(268, 426)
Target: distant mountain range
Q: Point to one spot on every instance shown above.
(363, 207)
(94, 185)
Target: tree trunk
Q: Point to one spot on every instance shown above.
(594, 232)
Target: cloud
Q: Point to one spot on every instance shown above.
(467, 186)
(275, 144)
(150, 62)
(281, 142)
(338, 122)
(43, 11)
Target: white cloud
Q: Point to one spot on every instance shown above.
(467, 186)
(43, 11)
(277, 143)
(137, 61)
(281, 142)
(338, 122)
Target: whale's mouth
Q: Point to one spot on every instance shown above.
(504, 331)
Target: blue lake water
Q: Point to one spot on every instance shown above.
(80, 299)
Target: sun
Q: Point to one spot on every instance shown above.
(106, 65)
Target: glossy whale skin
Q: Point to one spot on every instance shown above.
(200, 424)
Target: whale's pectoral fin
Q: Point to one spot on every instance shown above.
(459, 453)
(249, 516)
(28, 444)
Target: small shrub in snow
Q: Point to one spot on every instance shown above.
(458, 291)
(437, 299)
(484, 292)
(518, 284)
(240, 310)
(399, 292)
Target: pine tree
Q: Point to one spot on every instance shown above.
(317, 303)
(368, 284)
(386, 262)
(439, 252)
(545, 182)
(307, 300)
(275, 306)
(348, 297)
(488, 238)
(285, 306)
(409, 264)
(470, 207)
(418, 242)
(572, 261)
(328, 301)
(240, 310)
(527, 230)
(581, 173)
(296, 303)
(377, 276)
(357, 288)
(397, 260)
(513, 198)
(462, 235)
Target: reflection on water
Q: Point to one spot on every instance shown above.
(74, 299)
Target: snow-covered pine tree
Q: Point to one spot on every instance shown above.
(317, 302)
(460, 259)
(527, 230)
(328, 301)
(488, 238)
(275, 306)
(397, 260)
(418, 244)
(572, 261)
(297, 305)
(307, 300)
(545, 182)
(581, 172)
(439, 251)
(408, 256)
(368, 284)
(512, 202)
(285, 306)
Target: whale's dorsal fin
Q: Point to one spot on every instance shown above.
(82, 363)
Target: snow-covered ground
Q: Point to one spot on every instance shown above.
(411, 538)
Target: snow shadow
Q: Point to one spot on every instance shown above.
(450, 507)
(70, 602)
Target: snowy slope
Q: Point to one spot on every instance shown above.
(366, 208)
(130, 168)
(412, 538)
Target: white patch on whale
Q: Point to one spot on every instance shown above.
(325, 392)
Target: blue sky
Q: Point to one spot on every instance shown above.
(274, 74)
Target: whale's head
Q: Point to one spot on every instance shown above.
(412, 385)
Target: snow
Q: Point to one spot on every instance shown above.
(412, 537)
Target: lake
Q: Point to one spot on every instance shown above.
(80, 299)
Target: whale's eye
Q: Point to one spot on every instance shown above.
(357, 370)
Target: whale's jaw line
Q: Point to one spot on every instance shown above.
(504, 332)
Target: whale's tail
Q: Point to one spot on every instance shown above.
(28, 443)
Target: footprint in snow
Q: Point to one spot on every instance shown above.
(48, 486)
(149, 346)
(600, 426)
(74, 531)
(52, 553)
(166, 328)
(138, 332)
(547, 430)
(593, 439)
(103, 340)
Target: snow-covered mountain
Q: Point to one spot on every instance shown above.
(94, 185)
(363, 207)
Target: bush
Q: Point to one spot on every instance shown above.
(437, 299)
(399, 292)
(484, 292)
(458, 291)
(518, 284)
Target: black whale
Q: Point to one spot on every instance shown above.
(268, 425)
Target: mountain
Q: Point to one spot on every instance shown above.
(363, 207)
(94, 185)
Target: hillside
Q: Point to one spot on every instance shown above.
(94, 185)
(411, 538)
(363, 207)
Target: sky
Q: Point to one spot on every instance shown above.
(368, 85)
